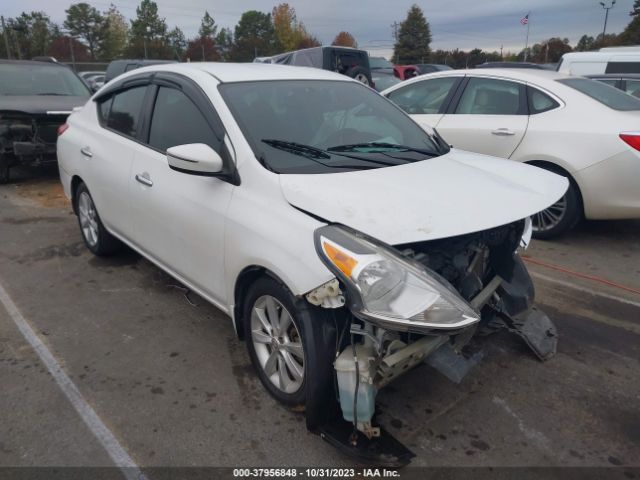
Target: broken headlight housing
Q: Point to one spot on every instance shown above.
(388, 289)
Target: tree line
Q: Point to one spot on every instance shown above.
(88, 34)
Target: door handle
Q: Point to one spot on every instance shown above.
(86, 151)
(504, 132)
(144, 179)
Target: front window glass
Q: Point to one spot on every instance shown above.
(177, 121)
(423, 98)
(486, 96)
(606, 95)
(313, 126)
(34, 79)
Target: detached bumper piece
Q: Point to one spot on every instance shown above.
(384, 450)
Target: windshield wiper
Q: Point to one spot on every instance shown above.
(297, 148)
(307, 151)
(354, 148)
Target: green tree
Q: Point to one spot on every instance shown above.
(86, 23)
(549, 51)
(585, 44)
(30, 34)
(177, 43)
(254, 36)
(149, 32)
(413, 39)
(208, 27)
(631, 34)
(116, 34)
(224, 43)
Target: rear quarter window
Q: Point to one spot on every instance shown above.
(623, 67)
(604, 94)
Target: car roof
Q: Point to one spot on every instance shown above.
(246, 72)
(32, 62)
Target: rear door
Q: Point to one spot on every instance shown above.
(427, 100)
(490, 116)
(109, 154)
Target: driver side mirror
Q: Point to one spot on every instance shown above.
(194, 159)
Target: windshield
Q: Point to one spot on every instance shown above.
(379, 62)
(33, 79)
(605, 94)
(308, 126)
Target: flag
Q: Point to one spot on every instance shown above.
(525, 20)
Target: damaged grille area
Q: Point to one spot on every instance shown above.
(29, 139)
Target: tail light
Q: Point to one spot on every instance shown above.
(62, 128)
(632, 139)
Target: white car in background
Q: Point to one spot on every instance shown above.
(318, 216)
(584, 130)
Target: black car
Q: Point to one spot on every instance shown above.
(118, 67)
(349, 61)
(35, 99)
(627, 82)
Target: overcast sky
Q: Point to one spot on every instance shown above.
(463, 24)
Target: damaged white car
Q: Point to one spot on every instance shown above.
(346, 243)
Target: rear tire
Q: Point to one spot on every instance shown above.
(95, 235)
(560, 217)
(360, 74)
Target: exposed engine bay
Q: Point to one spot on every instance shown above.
(28, 140)
(486, 271)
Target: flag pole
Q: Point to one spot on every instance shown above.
(526, 46)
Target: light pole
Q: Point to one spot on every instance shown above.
(606, 18)
(144, 39)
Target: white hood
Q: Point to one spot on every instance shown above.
(442, 197)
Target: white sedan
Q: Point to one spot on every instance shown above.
(346, 243)
(585, 130)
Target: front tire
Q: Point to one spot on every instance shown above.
(560, 217)
(286, 342)
(95, 235)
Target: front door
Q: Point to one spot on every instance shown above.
(178, 218)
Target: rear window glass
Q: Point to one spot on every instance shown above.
(623, 67)
(605, 94)
(124, 115)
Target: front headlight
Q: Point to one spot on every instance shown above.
(388, 289)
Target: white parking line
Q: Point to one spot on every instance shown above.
(590, 291)
(119, 456)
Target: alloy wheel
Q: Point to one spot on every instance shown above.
(277, 344)
(550, 217)
(88, 219)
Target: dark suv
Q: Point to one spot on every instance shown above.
(35, 99)
(349, 61)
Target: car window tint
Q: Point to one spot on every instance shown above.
(426, 97)
(177, 121)
(606, 95)
(540, 102)
(633, 88)
(623, 67)
(609, 81)
(124, 115)
(486, 96)
(103, 109)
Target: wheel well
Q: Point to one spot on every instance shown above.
(75, 181)
(246, 278)
(557, 168)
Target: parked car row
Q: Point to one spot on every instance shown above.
(583, 130)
